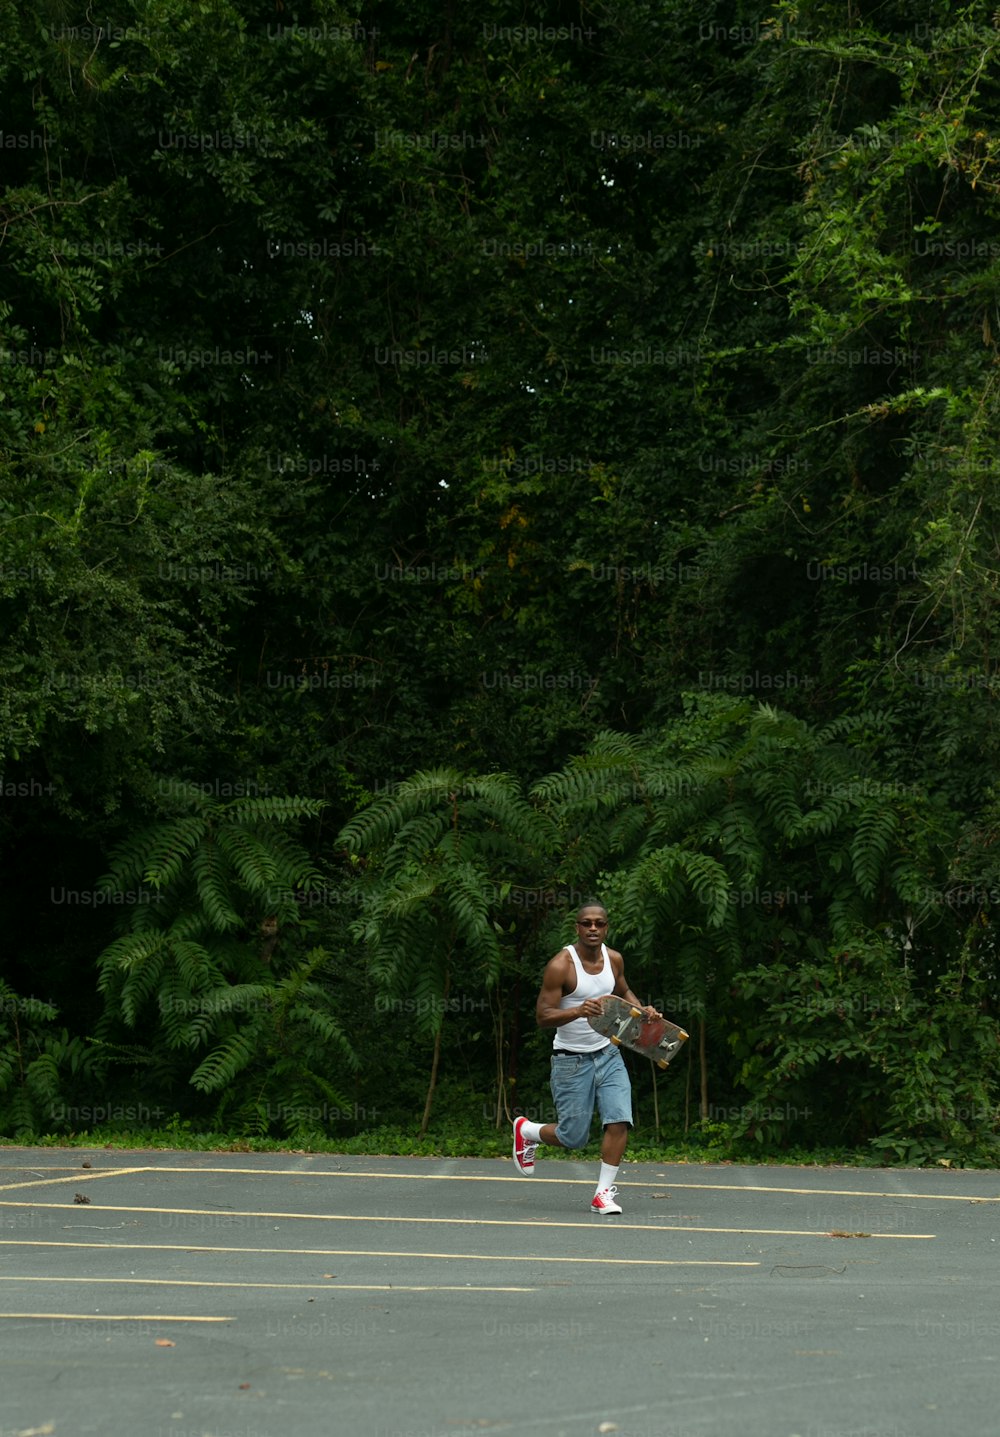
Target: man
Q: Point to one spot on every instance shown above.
(586, 1067)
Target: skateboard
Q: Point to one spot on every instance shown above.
(655, 1038)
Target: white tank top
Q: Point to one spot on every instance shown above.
(579, 1036)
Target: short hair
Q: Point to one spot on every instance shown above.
(591, 903)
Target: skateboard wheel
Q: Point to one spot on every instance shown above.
(662, 1063)
(617, 1041)
(636, 1013)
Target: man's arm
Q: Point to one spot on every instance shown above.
(622, 989)
(558, 972)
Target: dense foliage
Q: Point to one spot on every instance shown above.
(454, 460)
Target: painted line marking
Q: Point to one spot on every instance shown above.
(341, 1286)
(77, 1177)
(200, 1282)
(834, 1192)
(633, 1181)
(105, 1317)
(472, 1221)
(382, 1252)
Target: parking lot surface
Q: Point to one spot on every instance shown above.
(284, 1295)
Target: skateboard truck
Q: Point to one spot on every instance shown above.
(623, 1023)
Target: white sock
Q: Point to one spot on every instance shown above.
(531, 1132)
(607, 1177)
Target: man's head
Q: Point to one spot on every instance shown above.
(592, 923)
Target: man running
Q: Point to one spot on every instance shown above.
(587, 1068)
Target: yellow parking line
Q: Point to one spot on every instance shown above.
(77, 1177)
(633, 1181)
(341, 1286)
(105, 1317)
(203, 1282)
(383, 1252)
(834, 1192)
(472, 1221)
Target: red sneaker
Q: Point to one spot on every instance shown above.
(604, 1201)
(524, 1152)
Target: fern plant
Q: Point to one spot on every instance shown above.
(209, 957)
(274, 1071)
(45, 1074)
(738, 834)
(438, 855)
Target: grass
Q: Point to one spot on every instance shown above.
(713, 1145)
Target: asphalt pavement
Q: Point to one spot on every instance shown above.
(285, 1295)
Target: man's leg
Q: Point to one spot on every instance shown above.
(614, 1101)
(573, 1085)
(614, 1144)
(546, 1133)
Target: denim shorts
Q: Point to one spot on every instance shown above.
(579, 1080)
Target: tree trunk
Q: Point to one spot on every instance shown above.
(515, 1037)
(687, 1091)
(433, 1082)
(703, 1067)
(434, 1062)
(498, 1106)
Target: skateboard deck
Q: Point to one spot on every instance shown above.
(655, 1038)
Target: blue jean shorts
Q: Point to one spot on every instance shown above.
(581, 1080)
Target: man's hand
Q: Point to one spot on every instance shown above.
(592, 1008)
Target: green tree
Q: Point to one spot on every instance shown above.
(211, 959)
(442, 852)
(741, 845)
(387, 392)
(44, 1070)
